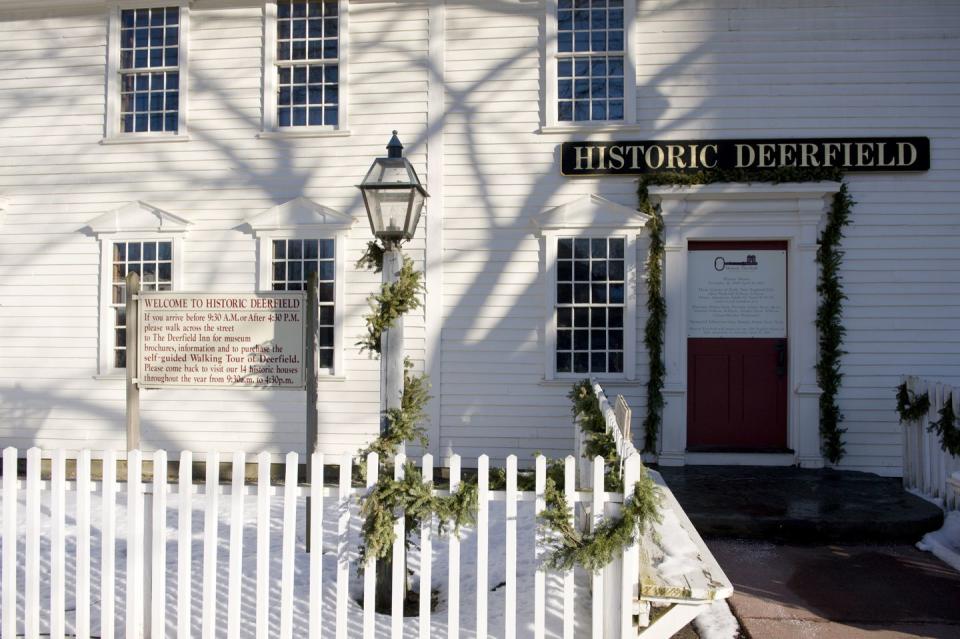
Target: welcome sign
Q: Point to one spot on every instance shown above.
(641, 157)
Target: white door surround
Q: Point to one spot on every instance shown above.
(737, 211)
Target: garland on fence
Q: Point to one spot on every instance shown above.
(598, 441)
(829, 286)
(415, 499)
(910, 406)
(595, 549)
(946, 428)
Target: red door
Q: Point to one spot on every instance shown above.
(737, 347)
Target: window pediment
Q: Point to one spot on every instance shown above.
(138, 217)
(590, 211)
(302, 214)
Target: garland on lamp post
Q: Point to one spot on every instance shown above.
(829, 286)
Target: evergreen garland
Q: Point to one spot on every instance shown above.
(597, 441)
(829, 286)
(946, 428)
(595, 549)
(414, 499)
(394, 299)
(911, 407)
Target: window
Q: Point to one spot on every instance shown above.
(145, 89)
(153, 262)
(135, 238)
(590, 303)
(298, 238)
(589, 248)
(590, 70)
(304, 65)
(293, 263)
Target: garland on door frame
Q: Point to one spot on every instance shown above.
(829, 309)
(946, 428)
(910, 406)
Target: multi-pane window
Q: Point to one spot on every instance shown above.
(153, 262)
(149, 70)
(590, 60)
(590, 305)
(308, 87)
(293, 263)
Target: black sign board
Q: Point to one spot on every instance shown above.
(640, 157)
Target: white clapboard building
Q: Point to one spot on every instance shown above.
(215, 146)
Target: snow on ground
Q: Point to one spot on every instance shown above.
(945, 543)
(717, 622)
(525, 563)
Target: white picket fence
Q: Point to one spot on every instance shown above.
(927, 468)
(221, 587)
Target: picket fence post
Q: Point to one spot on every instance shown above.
(483, 507)
(370, 568)
(453, 569)
(8, 607)
(426, 557)
(184, 541)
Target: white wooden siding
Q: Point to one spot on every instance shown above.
(706, 68)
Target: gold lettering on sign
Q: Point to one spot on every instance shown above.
(808, 154)
(766, 156)
(584, 156)
(830, 150)
(863, 153)
(703, 156)
(648, 157)
(636, 152)
(902, 148)
(616, 157)
(602, 152)
(675, 154)
(882, 159)
(741, 162)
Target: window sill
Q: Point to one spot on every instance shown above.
(582, 129)
(134, 138)
(307, 133)
(569, 381)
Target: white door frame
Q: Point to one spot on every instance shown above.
(747, 212)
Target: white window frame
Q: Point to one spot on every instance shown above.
(303, 219)
(112, 129)
(629, 72)
(270, 125)
(590, 216)
(133, 222)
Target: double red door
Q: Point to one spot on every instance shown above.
(737, 380)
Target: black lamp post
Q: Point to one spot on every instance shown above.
(394, 198)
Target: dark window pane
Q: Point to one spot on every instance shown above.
(133, 251)
(598, 317)
(309, 268)
(598, 271)
(564, 89)
(598, 339)
(326, 315)
(615, 316)
(598, 362)
(564, 293)
(326, 336)
(599, 293)
(616, 293)
(564, 317)
(581, 248)
(325, 249)
(565, 111)
(564, 340)
(581, 340)
(165, 250)
(294, 271)
(325, 357)
(565, 42)
(163, 272)
(564, 271)
(279, 271)
(581, 293)
(325, 292)
(563, 362)
(581, 270)
(581, 317)
(326, 271)
(120, 360)
(615, 340)
(615, 363)
(581, 362)
(615, 270)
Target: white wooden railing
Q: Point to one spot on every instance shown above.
(680, 577)
(155, 558)
(927, 468)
